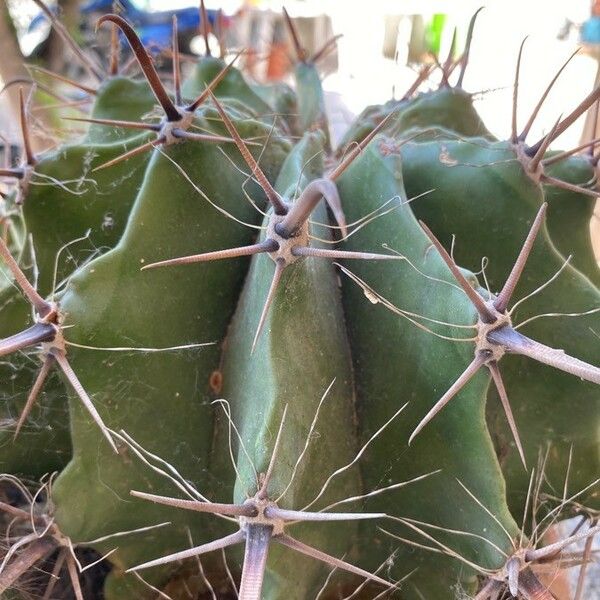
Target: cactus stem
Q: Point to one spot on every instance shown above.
(71, 82)
(258, 538)
(171, 111)
(265, 246)
(497, 336)
(36, 551)
(487, 510)
(261, 520)
(516, 575)
(514, 136)
(462, 380)
(169, 131)
(129, 154)
(176, 65)
(171, 473)
(64, 364)
(377, 491)
(503, 298)
(278, 205)
(280, 265)
(356, 458)
(538, 106)
(265, 479)
(325, 49)
(486, 315)
(34, 393)
(204, 27)
(441, 548)
(229, 540)
(355, 594)
(300, 51)
(464, 61)
(66, 37)
(497, 377)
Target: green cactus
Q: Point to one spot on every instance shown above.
(328, 360)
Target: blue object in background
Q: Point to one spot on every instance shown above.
(590, 31)
(153, 27)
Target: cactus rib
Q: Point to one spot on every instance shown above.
(48, 331)
(497, 336)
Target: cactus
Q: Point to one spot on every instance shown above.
(288, 370)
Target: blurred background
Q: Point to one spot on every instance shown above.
(383, 44)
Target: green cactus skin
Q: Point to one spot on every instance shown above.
(283, 101)
(43, 445)
(111, 303)
(484, 197)
(375, 360)
(119, 98)
(366, 121)
(56, 217)
(286, 370)
(570, 213)
(386, 349)
(233, 85)
(311, 100)
(447, 108)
